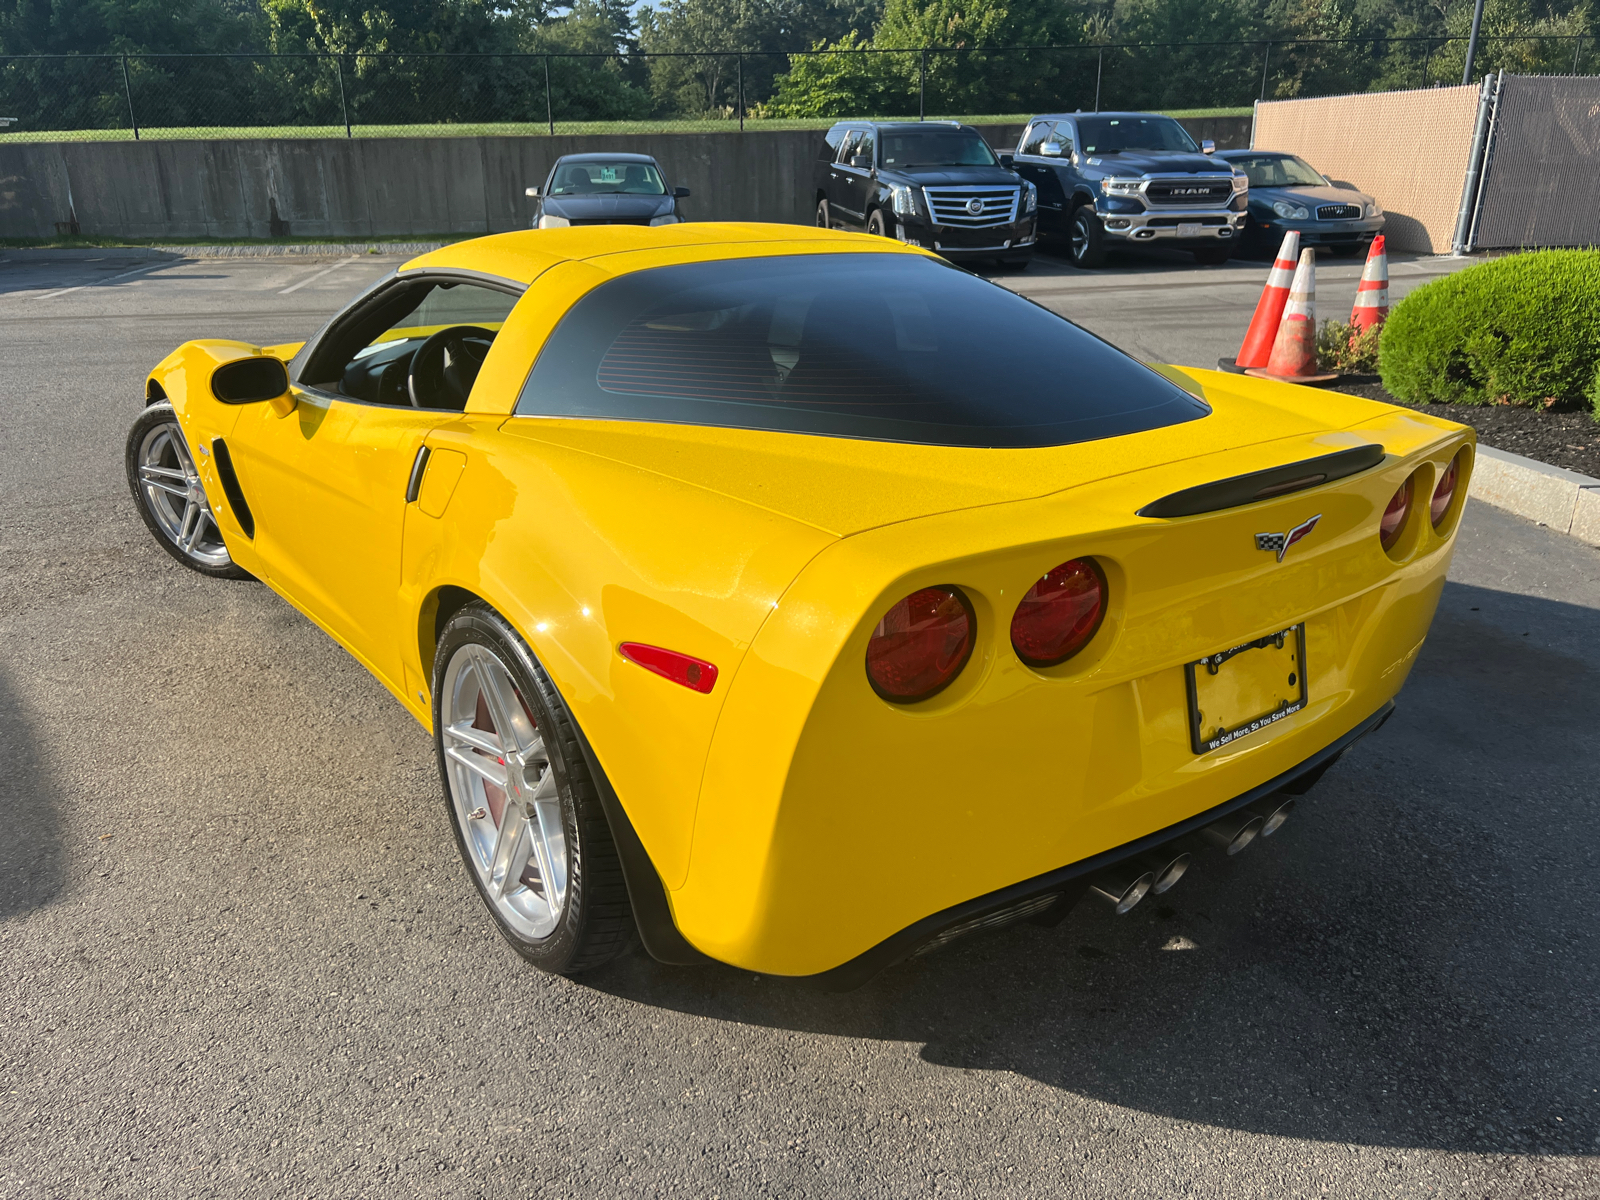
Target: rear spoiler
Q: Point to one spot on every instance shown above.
(1265, 485)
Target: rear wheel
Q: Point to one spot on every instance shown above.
(170, 496)
(527, 817)
(1088, 240)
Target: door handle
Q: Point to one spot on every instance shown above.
(419, 467)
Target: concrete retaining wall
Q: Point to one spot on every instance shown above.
(386, 187)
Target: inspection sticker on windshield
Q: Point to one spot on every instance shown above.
(1245, 689)
(1190, 229)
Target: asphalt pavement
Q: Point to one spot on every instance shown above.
(239, 957)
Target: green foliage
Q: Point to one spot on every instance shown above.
(1524, 329)
(1594, 394)
(1340, 347)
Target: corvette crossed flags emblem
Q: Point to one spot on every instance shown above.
(1279, 543)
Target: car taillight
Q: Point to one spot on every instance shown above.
(1394, 517)
(920, 645)
(1060, 613)
(1445, 492)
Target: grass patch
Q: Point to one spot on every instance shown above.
(506, 128)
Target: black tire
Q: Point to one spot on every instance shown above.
(824, 215)
(1086, 239)
(876, 225)
(596, 922)
(1214, 256)
(159, 506)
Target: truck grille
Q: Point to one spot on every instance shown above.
(953, 206)
(1339, 212)
(1189, 191)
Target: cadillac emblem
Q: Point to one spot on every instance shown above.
(1279, 543)
(975, 206)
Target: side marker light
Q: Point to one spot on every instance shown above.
(696, 674)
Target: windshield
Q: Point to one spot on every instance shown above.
(892, 347)
(941, 149)
(1112, 135)
(607, 178)
(1272, 170)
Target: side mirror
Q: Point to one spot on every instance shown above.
(680, 193)
(861, 162)
(1006, 160)
(1207, 146)
(1051, 149)
(531, 193)
(254, 380)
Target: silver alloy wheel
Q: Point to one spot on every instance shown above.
(504, 792)
(1080, 237)
(176, 498)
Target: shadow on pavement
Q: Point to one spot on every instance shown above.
(30, 817)
(1412, 961)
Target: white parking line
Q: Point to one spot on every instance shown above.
(295, 287)
(98, 282)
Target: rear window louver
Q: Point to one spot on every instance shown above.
(1264, 485)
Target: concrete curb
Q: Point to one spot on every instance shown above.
(1563, 500)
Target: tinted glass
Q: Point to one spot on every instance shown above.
(1270, 170)
(953, 148)
(883, 346)
(607, 178)
(863, 146)
(1110, 135)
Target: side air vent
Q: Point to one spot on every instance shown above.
(1264, 485)
(231, 488)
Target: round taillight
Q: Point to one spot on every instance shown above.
(1060, 613)
(1445, 492)
(1394, 517)
(920, 645)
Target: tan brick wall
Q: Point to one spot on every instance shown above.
(1409, 150)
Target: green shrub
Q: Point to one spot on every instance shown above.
(1594, 394)
(1341, 348)
(1524, 329)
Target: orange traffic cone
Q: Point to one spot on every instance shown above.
(1258, 339)
(1372, 293)
(1294, 350)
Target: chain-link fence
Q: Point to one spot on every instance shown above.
(87, 97)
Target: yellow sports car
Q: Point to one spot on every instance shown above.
(801, 601)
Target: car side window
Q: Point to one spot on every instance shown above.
(1038, 133)
(831, 141)
(416, 343)
(1062, 133)
(864, 145)
(847, 147)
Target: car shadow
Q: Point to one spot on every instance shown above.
(31, 852)
(1411, 961)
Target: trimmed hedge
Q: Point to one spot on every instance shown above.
(1524, 329)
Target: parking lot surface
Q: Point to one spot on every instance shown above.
(239, 957)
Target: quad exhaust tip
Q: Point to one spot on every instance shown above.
(1123, 885)
(1236, 830)
(1167, 866)
(1273, 811)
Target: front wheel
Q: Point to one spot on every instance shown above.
(525, 810)
(824, 215)
(1088, 240)
(170, 496)
(876, 225)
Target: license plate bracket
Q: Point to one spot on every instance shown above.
(1237, 692)
(1190, 229)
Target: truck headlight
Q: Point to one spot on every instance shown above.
(1030, 197)
(553, 222)
(903, 201)
(1374, 209)
(1293, 212)
(1241, 182)
(1120, 187)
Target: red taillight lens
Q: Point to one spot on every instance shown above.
(1394, 517)
(1060, 613)
(696, 674)
(920, 645)
(1445, 492)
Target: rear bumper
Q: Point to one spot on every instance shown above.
(1023, 899)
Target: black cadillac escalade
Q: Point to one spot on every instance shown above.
(928, 183)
